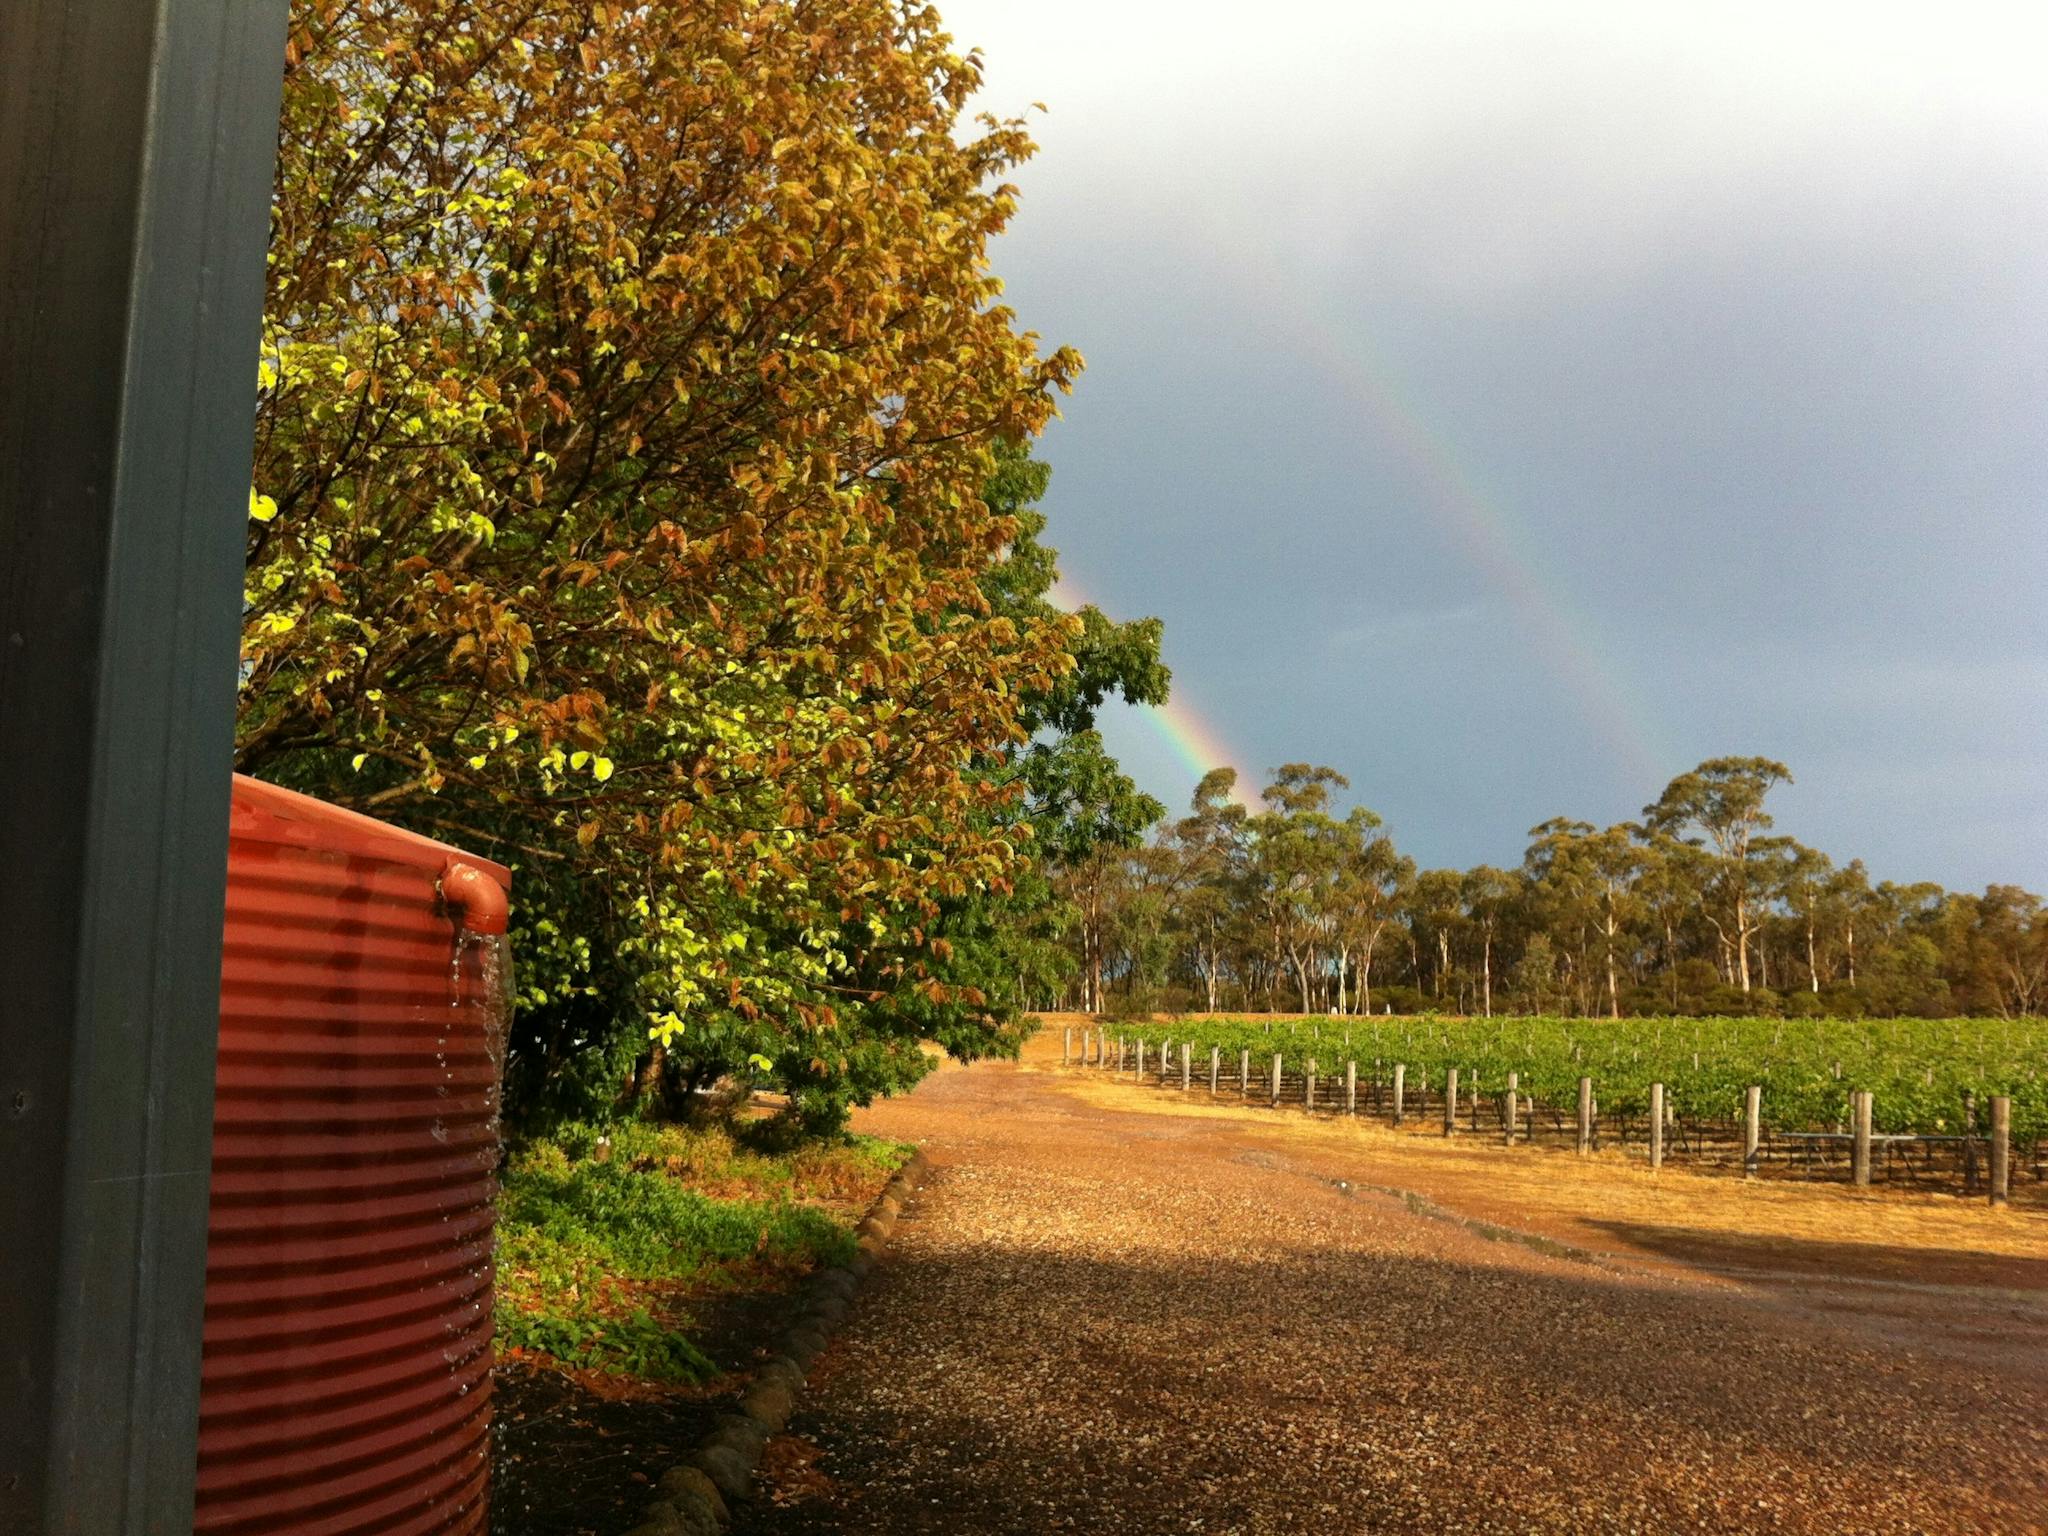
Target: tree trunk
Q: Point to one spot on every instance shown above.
(1613, 993)
(1486, 970)
(1742, 940)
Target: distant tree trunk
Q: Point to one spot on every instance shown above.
(1613, 993)
(1812, 965)
(1742, 931)
(1343, 961)
(1486, 969)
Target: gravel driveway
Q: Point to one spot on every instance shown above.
(1117, 1321)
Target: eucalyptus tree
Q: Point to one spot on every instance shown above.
(1721, 803)
(1604, 867)
(1372, 884)
(1805, 876)
(1487, 895)
(1297, 852)
(1212, 842)
(1434, 907)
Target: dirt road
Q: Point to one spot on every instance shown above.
(1111, 1314)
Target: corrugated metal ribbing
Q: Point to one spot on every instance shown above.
(346, 1384)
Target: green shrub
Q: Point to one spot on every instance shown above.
(598, 1259)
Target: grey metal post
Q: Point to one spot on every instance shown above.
(137, 139)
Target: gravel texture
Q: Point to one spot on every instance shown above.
(1108, 1319)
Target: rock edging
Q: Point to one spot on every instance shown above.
(693, 1497)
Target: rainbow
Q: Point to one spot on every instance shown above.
(1493, 537)
(1186, 731)
(1495, 540)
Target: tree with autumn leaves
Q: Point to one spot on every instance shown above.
(632, 380)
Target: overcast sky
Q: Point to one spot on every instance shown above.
(1512, 404)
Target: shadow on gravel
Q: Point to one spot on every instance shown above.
(1824, 1260)
(1023, 1390)
(576, 1457)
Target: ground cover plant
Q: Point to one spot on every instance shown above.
(1920, 1071)
(608, 1238)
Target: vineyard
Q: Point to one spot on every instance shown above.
(1931, 1083)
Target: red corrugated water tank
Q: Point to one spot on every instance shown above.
(364, 987)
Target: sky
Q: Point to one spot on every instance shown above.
(1512, 405)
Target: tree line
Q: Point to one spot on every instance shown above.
(1697, 907)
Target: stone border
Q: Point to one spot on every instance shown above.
(692, 1497)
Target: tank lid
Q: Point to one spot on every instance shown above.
(266, 813)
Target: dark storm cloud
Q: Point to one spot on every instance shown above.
(1743, 366)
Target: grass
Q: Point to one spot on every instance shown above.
(605, 1240)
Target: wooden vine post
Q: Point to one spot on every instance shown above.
(1308, 1092)
(1859, 1144)
(1067, 1045)
(1752, 1127)
(1350, 1087)
(1451, 1102)
(1186, 1060)
(1276, 1079)
(1656, 1126)
(1513, 1092)
(2001, 1148)
(1215, 1067)
(1244, 1074)
(1585, 1116)
(1400, 1086)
